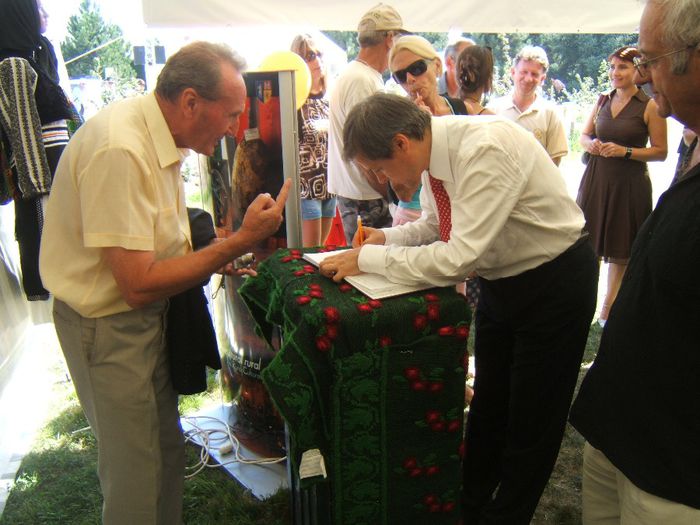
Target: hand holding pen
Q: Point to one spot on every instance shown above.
(360, 234)
(366, 235)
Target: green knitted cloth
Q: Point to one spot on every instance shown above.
(376, 386)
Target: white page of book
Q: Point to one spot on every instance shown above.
(373, 285)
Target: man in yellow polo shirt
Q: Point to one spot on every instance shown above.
(116, 244)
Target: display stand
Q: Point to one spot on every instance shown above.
(259, 159)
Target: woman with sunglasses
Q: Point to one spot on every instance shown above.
(317, 205)
(615, 190)
(416, 66)
(475, 78)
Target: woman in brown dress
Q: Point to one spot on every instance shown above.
(615, 191)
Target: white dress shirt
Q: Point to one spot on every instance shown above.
(510, 208)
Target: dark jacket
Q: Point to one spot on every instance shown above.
(190, 333)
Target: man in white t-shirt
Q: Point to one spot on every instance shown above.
(526, 106)
(360, 194)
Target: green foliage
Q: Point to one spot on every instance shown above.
(439, 40)
(579, 61)
(570, 55)
(57, 481)
(87, 31)
(346, 40)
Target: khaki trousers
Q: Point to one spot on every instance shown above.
(119, 368)
(609, 498)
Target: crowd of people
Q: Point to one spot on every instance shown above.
(443, 199)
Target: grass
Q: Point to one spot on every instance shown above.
(57, 481)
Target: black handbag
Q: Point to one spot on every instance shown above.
(585, 156)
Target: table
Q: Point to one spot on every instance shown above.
(376, 386)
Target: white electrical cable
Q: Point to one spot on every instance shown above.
(217, 439)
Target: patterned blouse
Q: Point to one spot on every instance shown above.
(313, 148)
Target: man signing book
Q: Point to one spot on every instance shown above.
(493, 203)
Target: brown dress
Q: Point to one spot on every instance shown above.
(615, 193)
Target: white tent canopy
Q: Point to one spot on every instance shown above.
(479, 16)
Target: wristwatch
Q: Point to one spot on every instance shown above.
(628, 153)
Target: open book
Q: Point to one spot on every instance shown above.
(373, 285)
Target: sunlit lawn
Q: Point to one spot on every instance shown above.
(57, 483)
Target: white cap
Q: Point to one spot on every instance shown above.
(381, 17)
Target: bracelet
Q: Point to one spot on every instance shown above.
(628, 153)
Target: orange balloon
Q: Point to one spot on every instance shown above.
(286, 61)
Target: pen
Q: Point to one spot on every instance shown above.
(360, 232)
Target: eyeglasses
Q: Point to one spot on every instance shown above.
(416, 69)
(312, 55)
(642, 65)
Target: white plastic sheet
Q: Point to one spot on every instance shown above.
(483, 16)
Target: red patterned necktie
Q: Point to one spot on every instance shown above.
(443, 205)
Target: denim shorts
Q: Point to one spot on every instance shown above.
(315, 209)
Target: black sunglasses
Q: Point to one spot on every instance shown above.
(416, 69)
(312, 55)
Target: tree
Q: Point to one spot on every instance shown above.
(86, 31)
(347, 40)
(572, 57)
(576, 60)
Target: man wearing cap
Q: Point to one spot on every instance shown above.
(525, 106)
(447, 84)
(360, 194)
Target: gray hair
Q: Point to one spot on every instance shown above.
(197, 66)
(371, 38)
(452, 50)
(372, 124)
(680, 27)
(534, 54)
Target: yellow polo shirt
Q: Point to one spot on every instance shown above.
(118, 184)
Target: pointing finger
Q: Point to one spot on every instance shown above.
(283, 194)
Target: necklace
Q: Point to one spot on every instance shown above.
(473, 100)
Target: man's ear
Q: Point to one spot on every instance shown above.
(189, 101)
(401, 143)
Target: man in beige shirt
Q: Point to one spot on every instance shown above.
(525, 104)
(116, 246)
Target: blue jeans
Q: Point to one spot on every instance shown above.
(315, 209)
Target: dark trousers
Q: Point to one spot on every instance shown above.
(531, 330)
(29, 218)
